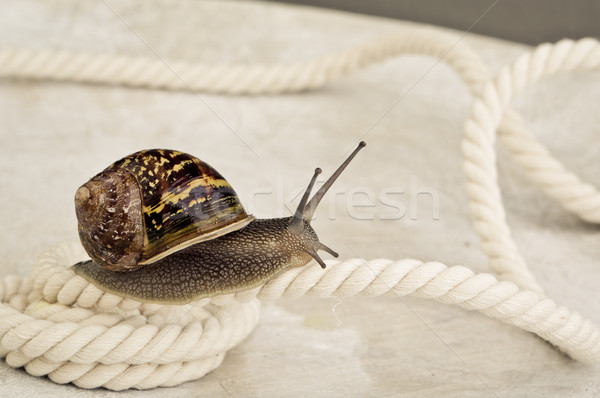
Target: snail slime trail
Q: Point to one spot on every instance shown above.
(162, 226)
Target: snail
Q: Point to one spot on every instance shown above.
(162, 226)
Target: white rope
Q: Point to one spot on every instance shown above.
(480, 157)
(55, 323)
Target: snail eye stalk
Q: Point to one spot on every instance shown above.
(297, 223)
(306, 209)
(309, 211)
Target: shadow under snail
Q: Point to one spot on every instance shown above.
(162, 226)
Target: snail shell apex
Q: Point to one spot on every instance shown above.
(152, 203)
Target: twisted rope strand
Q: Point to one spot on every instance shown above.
(480, 160)
(55, 323)
(54, 341)
(450, 285)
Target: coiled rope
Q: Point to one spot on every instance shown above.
(55, 323)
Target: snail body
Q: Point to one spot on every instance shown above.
(164, 227)
(240, 260)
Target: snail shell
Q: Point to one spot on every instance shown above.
(152, 203)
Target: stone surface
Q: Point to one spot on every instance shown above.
(53, 137)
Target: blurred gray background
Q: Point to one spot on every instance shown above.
(525, 21)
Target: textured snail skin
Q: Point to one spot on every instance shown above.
(240, 260)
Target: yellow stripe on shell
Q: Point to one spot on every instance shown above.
(233, 208)
(172, 198)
